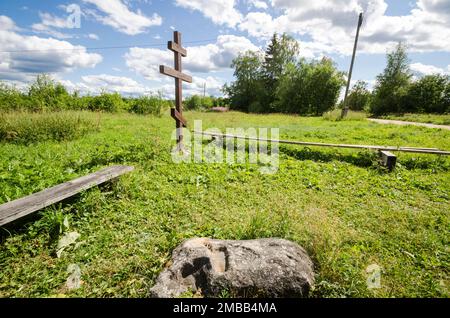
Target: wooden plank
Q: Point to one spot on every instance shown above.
(177, 116)
(388, 159)
(319, 144)
(16, 209)
(173, 73)
(176, 48)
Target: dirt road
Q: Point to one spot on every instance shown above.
(400, 122)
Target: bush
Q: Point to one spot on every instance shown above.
(196, 102)
(11, 98)
(335, 115)
(26, 127)
(46, 94)
(359, 97)
(108, 102)
(428, 95)
(147, 105)
(309, 88)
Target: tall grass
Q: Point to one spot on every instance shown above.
(27, 127)
(335, 115)
(148, 105)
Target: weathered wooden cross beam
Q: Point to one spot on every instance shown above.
(177, 112)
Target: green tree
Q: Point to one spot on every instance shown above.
(281, 51)
(359, 97)
(392, 85)
(248, 88)
(45, 93)
(309, 88)
(428, 95)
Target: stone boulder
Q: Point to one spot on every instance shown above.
(250, 268)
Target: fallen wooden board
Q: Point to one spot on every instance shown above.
(16, 209)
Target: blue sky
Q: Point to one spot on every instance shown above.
(45, 37)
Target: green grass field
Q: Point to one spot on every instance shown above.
(339, 204)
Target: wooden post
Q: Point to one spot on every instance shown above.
(177, 112)
(388, 159)
(345, 106)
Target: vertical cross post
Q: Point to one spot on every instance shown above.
(177, 112)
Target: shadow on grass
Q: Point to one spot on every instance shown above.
(366, 159)
(51, 218)
(362, 159)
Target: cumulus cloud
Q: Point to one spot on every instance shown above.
(117, 15)
(222, 12)
(51, 22)
(331, 25)
(110, 83)
(200, 59)
(24, 56)
(425, 69)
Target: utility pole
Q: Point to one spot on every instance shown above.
(345, 108)
(204, 89)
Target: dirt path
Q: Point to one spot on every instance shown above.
(400, 122)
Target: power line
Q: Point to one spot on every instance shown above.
(107, 47)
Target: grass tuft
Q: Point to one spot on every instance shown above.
(335, 115)
(27, 128)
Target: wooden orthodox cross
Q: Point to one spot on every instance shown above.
(177, 112)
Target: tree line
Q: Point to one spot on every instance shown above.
(45, 94)
(279, 81)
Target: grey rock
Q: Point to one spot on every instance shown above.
(250, 268)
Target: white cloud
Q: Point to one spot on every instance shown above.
(331, 25)
(200, 59)
(222, 12)
(93, 36)
(24, 56)
(425, 69)
(49, 22)
(119, 16)
(110, 83)
(213, 87)
(259, 24)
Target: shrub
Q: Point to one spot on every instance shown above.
(309, 88)
(335, 115)
(197, 102)
(11, 98)
(148, 105)
(359, 97)
(108, 102)
(26, 127)
(427, 95)
(46, 94)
